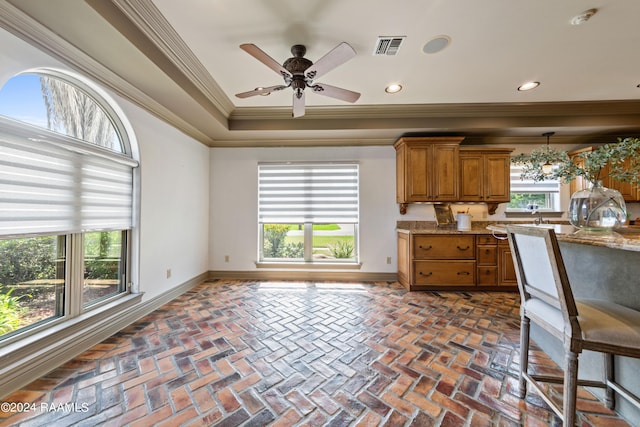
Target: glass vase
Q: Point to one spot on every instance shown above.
(597, 208)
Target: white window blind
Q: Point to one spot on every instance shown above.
(308, 192)
(529, 186)
(52, 184)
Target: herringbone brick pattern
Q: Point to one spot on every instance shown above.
(231, 353)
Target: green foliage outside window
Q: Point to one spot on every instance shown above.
(10, 312)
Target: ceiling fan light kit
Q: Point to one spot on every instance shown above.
(299, 73)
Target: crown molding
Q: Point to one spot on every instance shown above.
(154, 26)
(440, 117)
(31, 31)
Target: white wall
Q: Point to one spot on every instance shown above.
(174, 171)
(234, 202)
(174, 204)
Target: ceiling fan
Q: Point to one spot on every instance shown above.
(299, 73)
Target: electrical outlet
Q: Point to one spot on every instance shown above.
(388, 260)
(168, 273)
(226, 258)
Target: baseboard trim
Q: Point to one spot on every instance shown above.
(347, 276)
(25, 361)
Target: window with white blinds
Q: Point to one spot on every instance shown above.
(54, 184)
(308, 193)
(529, 186)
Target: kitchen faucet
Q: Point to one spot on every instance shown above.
(539, 220)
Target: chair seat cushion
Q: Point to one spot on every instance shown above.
(602, 322)
(609, 323)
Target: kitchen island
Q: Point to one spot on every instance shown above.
(601, 266)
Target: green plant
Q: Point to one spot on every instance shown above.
(293, 250)
(620, 160)
(274, 235)
(10, 312)
(341, 249)
(22, 260)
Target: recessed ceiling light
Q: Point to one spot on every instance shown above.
(393, 88)
(436, 44)
(528, 86)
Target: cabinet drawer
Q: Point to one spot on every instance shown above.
(486, 239)
(445, 273)
(444, 247)
(487, 275)
(487, 255)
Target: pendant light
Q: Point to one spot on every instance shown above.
(547, 167)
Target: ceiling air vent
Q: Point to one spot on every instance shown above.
(388, 45)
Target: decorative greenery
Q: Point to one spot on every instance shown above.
(341, 249)
(532, 162)
(620, 161)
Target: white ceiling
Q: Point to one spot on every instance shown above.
(181, 60)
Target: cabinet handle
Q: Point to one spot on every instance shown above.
(425, 275)
(463, 249)
(425, 249)
(463, 273)
(486, 251)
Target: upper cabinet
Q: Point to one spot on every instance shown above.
(485, 176)
(437, 169)
(426, 170)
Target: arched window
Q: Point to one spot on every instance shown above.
(66, 193)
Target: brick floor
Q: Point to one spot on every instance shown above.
(231, 353)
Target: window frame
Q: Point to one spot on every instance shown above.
(552, 197)
(307, 225)
(72, 301)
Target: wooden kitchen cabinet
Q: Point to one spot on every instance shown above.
(426, 170)
(485, 176)
(454, 261)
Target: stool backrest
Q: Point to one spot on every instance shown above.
(540, 270)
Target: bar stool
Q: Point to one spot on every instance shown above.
(582, 324)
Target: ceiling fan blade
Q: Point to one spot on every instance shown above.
(261, 56)
(338, 55)
(261, 91)
(335, 92)
(298, 103)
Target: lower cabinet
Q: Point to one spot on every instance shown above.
(455, 262)
(507, 271)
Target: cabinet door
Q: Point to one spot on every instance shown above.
(506, 269)
(471, 177)
(445, 172)
(419, 164)
(401, 187)
(497, 168)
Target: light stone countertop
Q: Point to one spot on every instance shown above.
(625, 238)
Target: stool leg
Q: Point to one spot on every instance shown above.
(609, 378)
(524, 355)
(570, 388)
